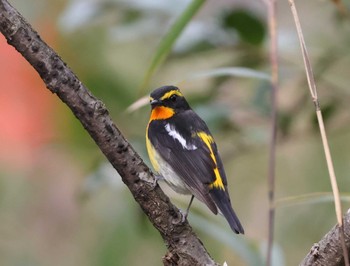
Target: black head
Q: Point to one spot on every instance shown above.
(169, 96)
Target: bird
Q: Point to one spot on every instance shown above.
(183, 152)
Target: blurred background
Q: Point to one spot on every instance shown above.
(60, 201)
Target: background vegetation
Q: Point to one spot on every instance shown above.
(62, 204)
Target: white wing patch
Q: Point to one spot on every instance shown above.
(176, 135)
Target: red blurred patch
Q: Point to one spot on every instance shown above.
(26, 109)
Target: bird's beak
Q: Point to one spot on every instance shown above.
(155, 103)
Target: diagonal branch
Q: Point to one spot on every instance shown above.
(184, 248)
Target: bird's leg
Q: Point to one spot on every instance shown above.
(184, 214)
(188, 208)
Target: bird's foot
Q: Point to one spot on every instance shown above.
(181, 218)
(183, 215)
(156, 179)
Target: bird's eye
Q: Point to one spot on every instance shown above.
(173, 97)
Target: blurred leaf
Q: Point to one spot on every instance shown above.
(249, 27)
(139, 103)
(277, 254)
(212, 73)
(241, 72)
(312, 198)
(104, 176)
(131, 16)
(215, 115)
(78, 14)
(169, 39)
(285, 121)
(246, 250)
(261, 100)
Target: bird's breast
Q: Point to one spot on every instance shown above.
(171, 177)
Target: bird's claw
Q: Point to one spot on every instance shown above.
(156, 179)
(182, 217)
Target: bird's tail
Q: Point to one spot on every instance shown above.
(222, 201)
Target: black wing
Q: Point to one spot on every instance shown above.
(193, 161)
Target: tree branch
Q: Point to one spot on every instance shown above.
(184, 248)
(328, 251)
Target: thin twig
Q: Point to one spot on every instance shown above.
(313, 91)
(271, 5)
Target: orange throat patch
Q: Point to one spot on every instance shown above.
(161, 112)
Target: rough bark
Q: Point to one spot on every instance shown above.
(328, 251)
(184, 247)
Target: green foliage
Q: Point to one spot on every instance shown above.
(224, 75)
(169, 39)
(248, 26)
